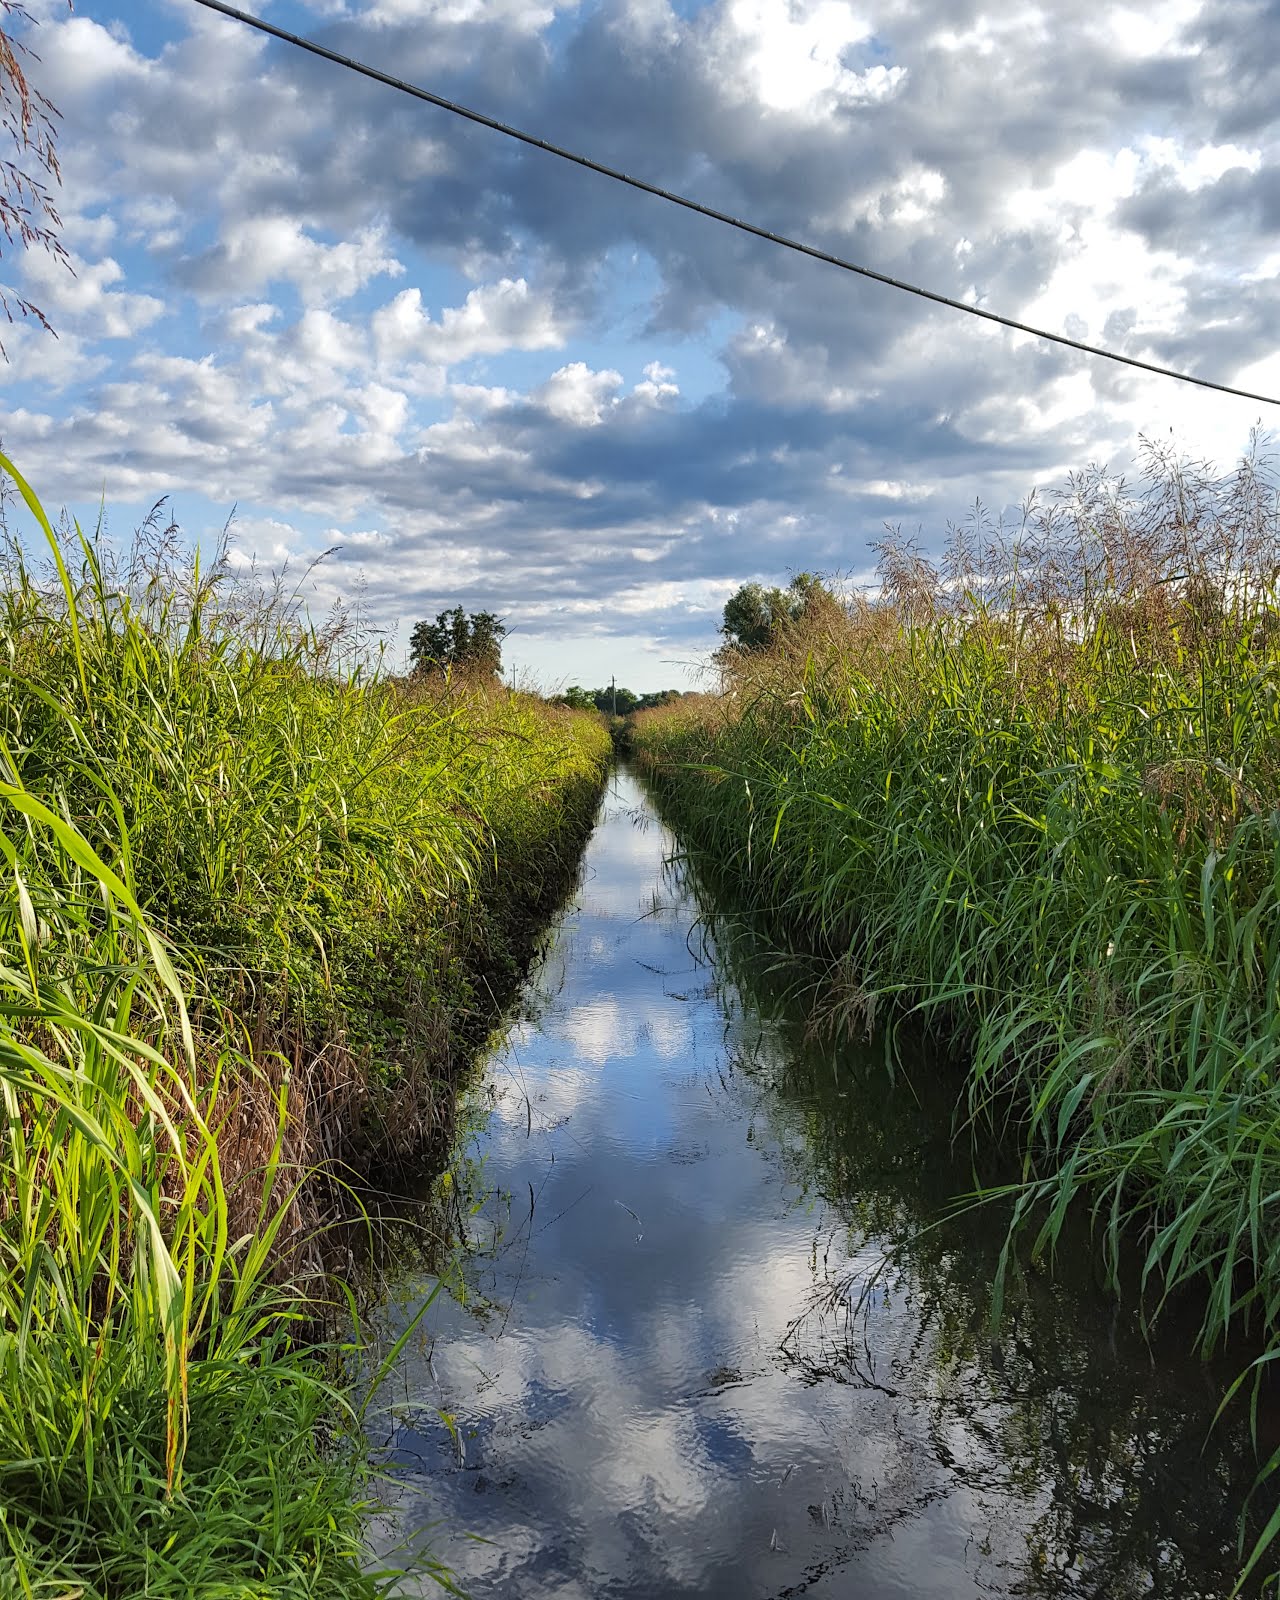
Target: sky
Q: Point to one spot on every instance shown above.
(478, 376)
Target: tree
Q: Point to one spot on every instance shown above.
(627, 700)
(577, 698)
(750, 616)
(460, 642)
(659, 697)
(614, 697)
(754, 614)
(28, 216)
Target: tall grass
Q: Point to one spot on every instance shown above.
(1033, 795)
(254, 907)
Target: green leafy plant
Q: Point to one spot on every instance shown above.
(1033, 796)
(254, 902)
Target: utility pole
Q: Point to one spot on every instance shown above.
(613, 687)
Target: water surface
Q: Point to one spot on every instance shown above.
(711, 1344)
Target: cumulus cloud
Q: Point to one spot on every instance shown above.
(494, 318)
(577, 395)
(256, 252)
(83, 295)
(296, 290)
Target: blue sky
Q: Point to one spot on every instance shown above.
(489, 379)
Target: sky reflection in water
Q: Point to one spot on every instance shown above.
(658, 1391)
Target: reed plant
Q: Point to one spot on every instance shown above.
(1032, 795)
(255, 900)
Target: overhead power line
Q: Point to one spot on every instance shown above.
(452, 106)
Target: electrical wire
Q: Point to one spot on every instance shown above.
(390, 82)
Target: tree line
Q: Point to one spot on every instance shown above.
(613, 699)
(470, 642)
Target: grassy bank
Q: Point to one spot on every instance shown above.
(260, 907)
(1033, 796)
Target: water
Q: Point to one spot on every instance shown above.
(711, 1345)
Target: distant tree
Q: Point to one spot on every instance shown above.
(627, 700)
(28, 216)
(611, 697)
(754, 614)
(459, 641)
(577, 698)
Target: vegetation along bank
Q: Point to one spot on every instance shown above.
(259, 908)
(1032, 796)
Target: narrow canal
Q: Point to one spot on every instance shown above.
(714, 1341)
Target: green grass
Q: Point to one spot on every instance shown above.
(1034, 798)
(258, 907)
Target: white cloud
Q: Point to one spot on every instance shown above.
(259, 251)
(658, 385)
(85, 58)
(529, 16)
(1150, 31)
(889, 489)
(577, 395)
(793, 55)
(82, 294)
(494, 318)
